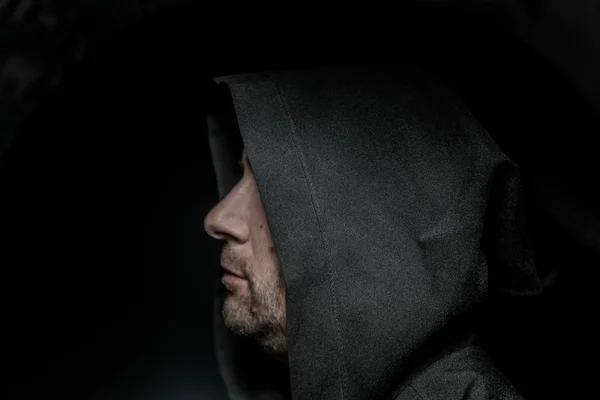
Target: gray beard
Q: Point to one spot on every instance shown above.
(261, 318)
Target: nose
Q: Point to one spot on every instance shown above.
(228, 220)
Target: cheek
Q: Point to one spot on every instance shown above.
(262, 243)
(265, 263)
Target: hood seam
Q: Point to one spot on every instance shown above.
(293, 135)
(410, 385)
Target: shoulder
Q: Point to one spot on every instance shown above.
(466, 373)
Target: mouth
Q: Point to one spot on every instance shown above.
(232, 273)
(232, 280)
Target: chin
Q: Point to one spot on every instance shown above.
(240, 323)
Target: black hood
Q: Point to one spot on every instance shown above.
(376, 183)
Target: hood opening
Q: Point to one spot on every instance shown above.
(246, 371)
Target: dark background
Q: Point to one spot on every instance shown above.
(105, 176)
(106, 286)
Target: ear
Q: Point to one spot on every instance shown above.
(507, 239)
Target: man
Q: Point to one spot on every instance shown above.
(353, 260)
(253, 276)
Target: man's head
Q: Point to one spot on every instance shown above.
(255, 305)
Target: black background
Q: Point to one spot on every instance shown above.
(107, 270)
(106, 265)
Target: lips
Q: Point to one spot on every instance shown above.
(229, 271)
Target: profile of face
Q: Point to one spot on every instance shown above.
(255, 302)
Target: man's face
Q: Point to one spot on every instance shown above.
(255, 304)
